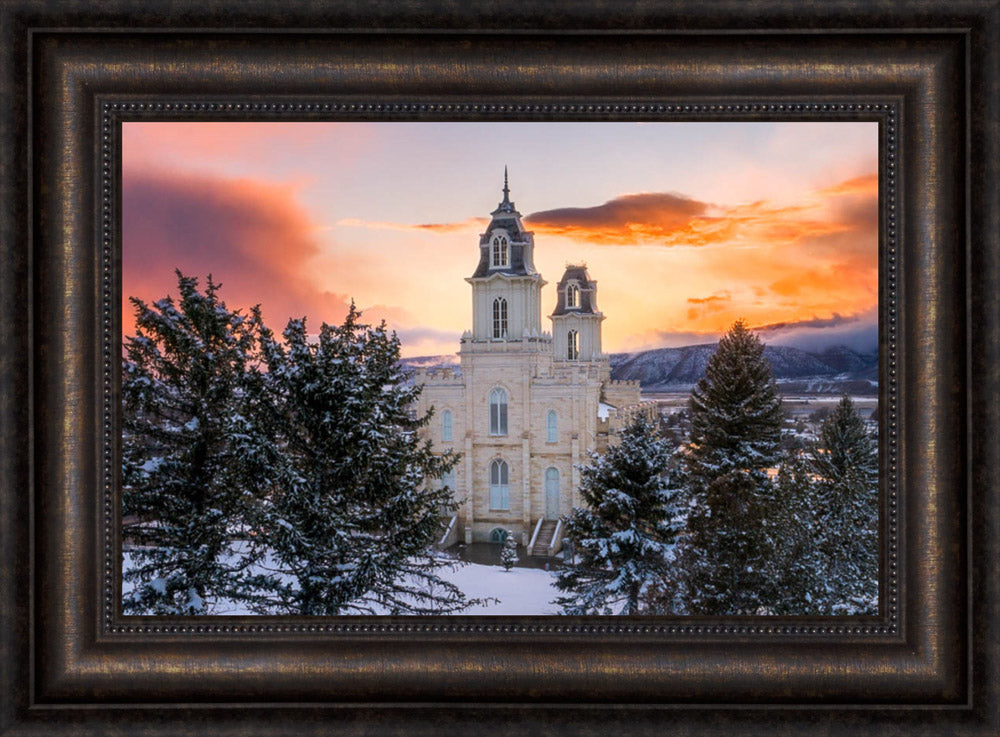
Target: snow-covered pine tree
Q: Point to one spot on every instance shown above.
(845, 461)
(508, 553)
(351, 524)
(735, 437)
(798, 584)
(735, 410)
(622, 537)
(845, 447)
(188, 474)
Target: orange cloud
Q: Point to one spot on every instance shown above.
(630, 218)
(675, 220)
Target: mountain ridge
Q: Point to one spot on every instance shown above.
(835, 369)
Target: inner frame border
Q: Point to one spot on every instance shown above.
(114, 113)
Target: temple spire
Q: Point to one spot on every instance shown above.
(505, 205)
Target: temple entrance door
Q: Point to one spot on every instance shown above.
(552, 494)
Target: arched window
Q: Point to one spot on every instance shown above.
(499, 485)
(446, 427)
(572, 345)
(448, 479)
(498, 535)
(500, 257)
(498, 412)
(551, 426)
(499, 318)
(572, 295)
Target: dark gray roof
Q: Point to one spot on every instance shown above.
(507, 218)
(515, 267)
(588, 292)
(508, 222)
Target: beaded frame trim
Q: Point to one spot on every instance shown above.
(887, 114)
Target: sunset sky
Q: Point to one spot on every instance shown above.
(685, 226)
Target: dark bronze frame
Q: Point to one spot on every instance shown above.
(927, 665)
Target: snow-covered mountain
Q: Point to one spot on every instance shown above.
(835, 370)
(420, 362)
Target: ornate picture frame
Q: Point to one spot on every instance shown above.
(927, 664)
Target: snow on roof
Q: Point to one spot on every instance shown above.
(604, 410)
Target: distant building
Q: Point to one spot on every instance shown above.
(527, 406)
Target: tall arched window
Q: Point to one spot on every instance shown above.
(551, 426)
(448, 479)
(572, 295)
(446, 426)
(500, 258)
(498, 412)
(499, 318)
(572, 345)
(499, 485)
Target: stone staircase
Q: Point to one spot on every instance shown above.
(544, 539)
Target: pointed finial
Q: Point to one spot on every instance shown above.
(505, 206)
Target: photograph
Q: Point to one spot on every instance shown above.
(500, 368)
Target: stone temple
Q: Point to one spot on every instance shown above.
(527, 406)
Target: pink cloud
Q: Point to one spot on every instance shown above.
(252, 236)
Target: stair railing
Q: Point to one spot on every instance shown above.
(556, 542)
(534, 536)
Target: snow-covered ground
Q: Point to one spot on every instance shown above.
(519, 591)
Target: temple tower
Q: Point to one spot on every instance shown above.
(576, 321)
(506, 289)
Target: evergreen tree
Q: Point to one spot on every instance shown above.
(845, 462)
(729, 552)
(508, 553)
(188, 470)
(622, 538)
(845, 448)
(350, 523)
(798, 584)
(735, 410)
